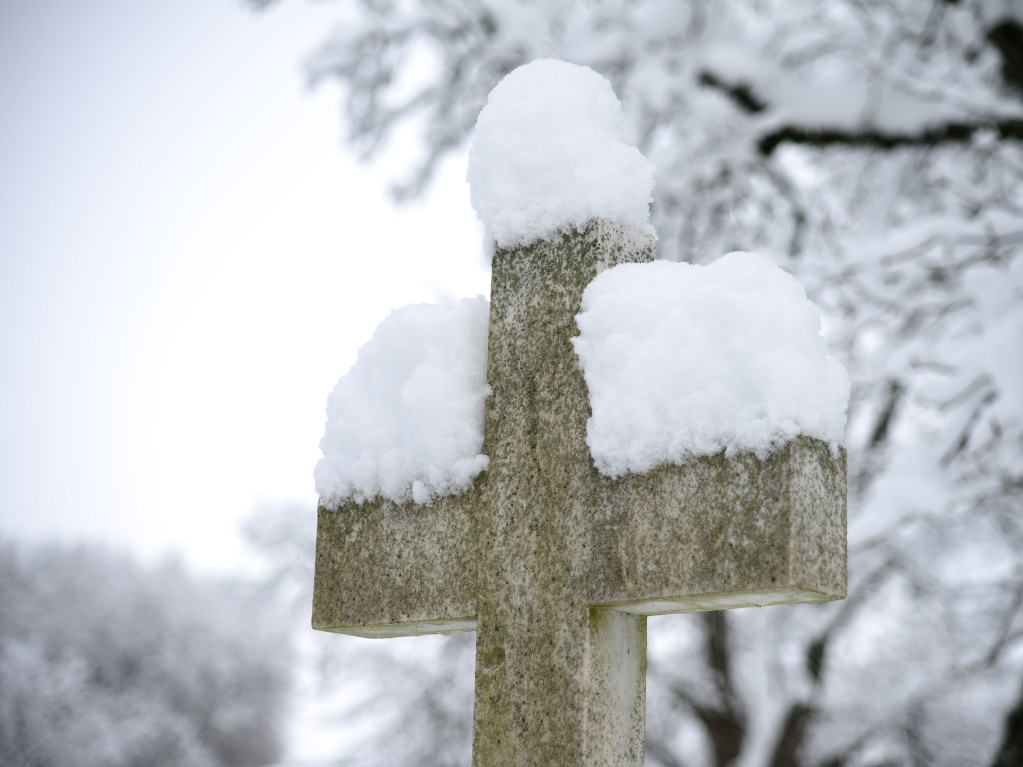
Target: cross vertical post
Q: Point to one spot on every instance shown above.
(556, 681)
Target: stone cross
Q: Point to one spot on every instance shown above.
(555, 566)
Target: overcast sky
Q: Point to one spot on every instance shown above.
(189, 258)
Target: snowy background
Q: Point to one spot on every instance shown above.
(189, 260)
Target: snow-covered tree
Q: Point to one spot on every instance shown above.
(106, 663)
(405, 701)
(874, 148)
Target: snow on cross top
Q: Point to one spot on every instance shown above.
(549, 155)
(683, 361)
(406, 422)
(679, 360)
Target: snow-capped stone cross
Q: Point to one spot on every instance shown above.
(557, 566)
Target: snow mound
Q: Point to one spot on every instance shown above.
(549, 155)
(684, 360)
(406, 422)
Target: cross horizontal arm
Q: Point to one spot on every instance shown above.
(722, 532)
(385, 569)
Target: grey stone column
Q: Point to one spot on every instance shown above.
(557, 682)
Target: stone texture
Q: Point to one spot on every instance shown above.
(384, 569)
(557, 567)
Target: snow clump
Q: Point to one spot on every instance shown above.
(683, 360)
(549, 155)
(406, 422)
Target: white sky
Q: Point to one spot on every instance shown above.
(189, 259)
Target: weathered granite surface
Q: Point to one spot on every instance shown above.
(555, 566)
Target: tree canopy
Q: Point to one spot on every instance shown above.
(104, 662)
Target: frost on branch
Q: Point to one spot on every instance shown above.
(684, 360)
(406, 422)
(549, 154)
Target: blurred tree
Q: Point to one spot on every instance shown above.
(405, 701)
(873, 148)
(106, 663)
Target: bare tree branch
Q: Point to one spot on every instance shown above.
(948, 133)
(952, 132)
(1010, 751)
